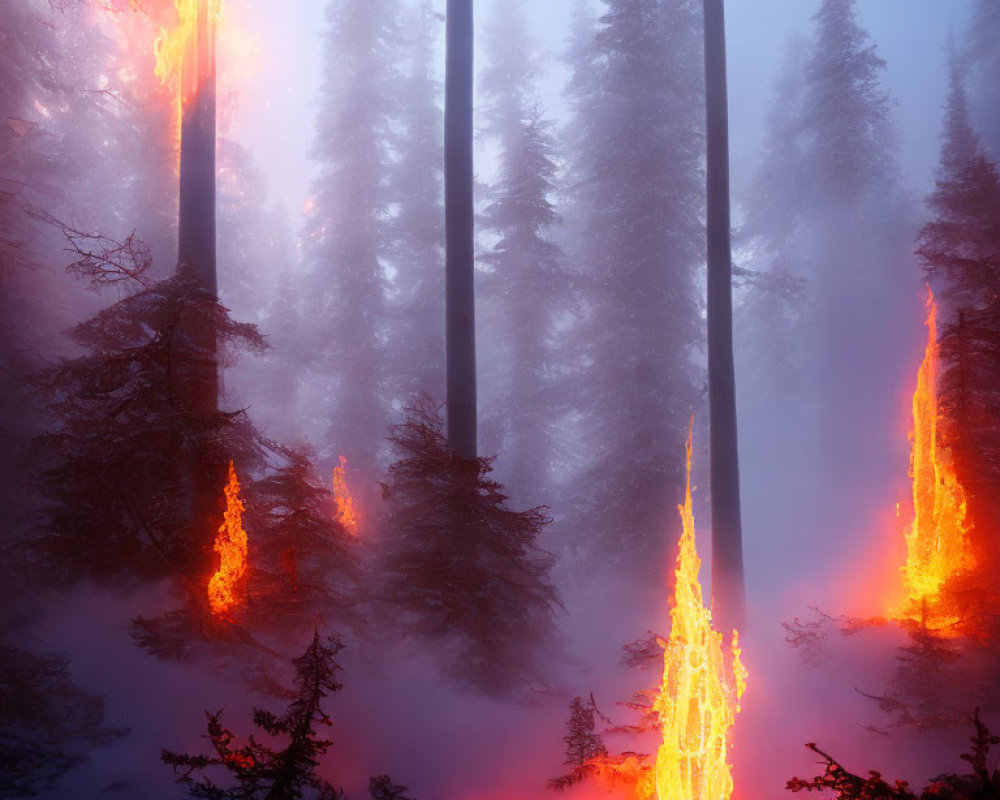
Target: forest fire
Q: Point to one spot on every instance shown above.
(231, 545)
(347, 512)
(178, 48)
(937, 540)
(699, 695)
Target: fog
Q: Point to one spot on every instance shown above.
(859, 131)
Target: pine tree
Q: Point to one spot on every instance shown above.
(525, 292)
(381, 787)
(831, 168)
(261, 771)
(416, 350)
(984, 64)
(583, 744)
(347, 236)
(957, 246)
(47, 723)
(960, 252)
(114, 468)
(302, 561)
(636, 241)
(460, 568)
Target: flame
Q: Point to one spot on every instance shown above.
(347, 514)
(231, 545)
(937, 540)
(181, 58)
(699, 696)
(185, 53)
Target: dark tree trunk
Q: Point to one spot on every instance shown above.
(196, 221)
(459, 231)
(196, 249)
(728, 586)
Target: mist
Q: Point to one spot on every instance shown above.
(228, 462)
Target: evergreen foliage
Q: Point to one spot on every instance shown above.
(635, 242)
(302, 561)
(583, 744)
(381, 787)
(348, 232)
(47, 724)
(265, 771)
(982, 784)
(458, 566)
(525, 292)
(119, 465)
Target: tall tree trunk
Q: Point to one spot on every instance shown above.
(728, 585)
(196, 249)
(459, 231)
(196, 221)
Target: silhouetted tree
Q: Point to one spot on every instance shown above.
(381, 787)
(982, 784)
(115, 474)
(583, 744)
(263, 771)
(458, 566)
(984, 63)
(302, 561)
(47, 723)
(960, 252)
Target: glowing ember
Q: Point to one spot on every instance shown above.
(699, 695)
(225, 586)
(937, 541)
(347, 513)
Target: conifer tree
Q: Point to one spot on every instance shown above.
(460, 568)
(526, 289)
(47, 723)
(381, 787)
(264, 772)
(960, 252)
(114, 467)
(348, 236)
(583, 744)
(984, 63)
(302, 560)
(636, 241)
(416, 349)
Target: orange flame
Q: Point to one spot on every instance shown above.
(185, 53)
(347, 514)
(225, 585)
(937, 540)
(182, 57)
(699, 695)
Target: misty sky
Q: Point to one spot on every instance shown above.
(276, 121)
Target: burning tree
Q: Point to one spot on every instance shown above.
(262, 771)
(116, 467)
(937, 540)
(459, 566)
(695, 706)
